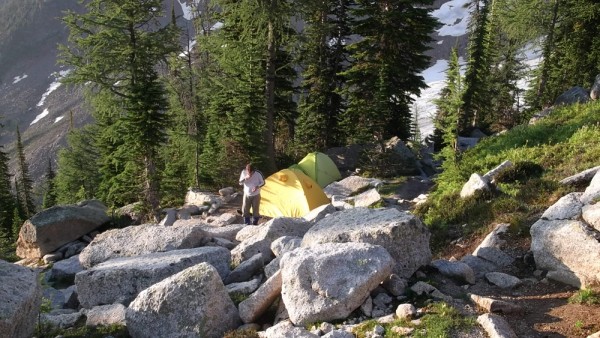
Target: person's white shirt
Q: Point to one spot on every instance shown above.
(252, 183)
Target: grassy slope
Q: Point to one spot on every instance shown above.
(563, 144)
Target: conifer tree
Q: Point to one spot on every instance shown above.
(186, 130)
(134, 44)
(18, 198)
(476, 90)
(50, 193)
(505, 105)
(574, 60)
(25, 181)
(7, 200)
(17, 222)
(385, 66)
(323, 58)
(78, 165)
(244, 87)
(449, 109)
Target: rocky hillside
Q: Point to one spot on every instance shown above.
(33, 98)
(336, 272)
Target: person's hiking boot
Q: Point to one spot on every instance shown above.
(247, 221)
(255, 220)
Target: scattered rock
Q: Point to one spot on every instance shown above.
(490, 176)
(457, 270)
(496, 326)
(119, 280)
(424, 289)
(105, 315)
(553, 250)
(140, 240)
(253, 307)
(406, 311)
(572, 96)
(475, 183)
(591, 215)
(503, 280)
(246, 270)
(287, 329)
(494, 305)
(582, 177)
(567, 207)
(170, 217)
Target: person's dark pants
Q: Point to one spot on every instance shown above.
(254, 203)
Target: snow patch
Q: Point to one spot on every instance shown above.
(40, 116)
(423, 105)
(59, 118)
(454, 15)
(17, 79)
(187, 9)
(53, 86)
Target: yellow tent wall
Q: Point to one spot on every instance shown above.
(290, 193)
(320, 168)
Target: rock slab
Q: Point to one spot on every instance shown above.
(20, 295)
(191, 303)
(48, 230)
(402, 234)
(323, 283)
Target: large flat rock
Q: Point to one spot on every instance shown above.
(48, 230)
(402, 234)
(120, 280)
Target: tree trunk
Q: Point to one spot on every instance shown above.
(151, 188)
(546, 53)
(270, 92)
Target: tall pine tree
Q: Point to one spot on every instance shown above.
(244, 87)
(7, 200)
(133, 44)
(50, 189)
(25, 190)
(449, 109)
(574, 61)
(323, 58)
(476, 89)
(385, 66)
(78, 166)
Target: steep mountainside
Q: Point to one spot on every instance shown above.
(32, 98)
(31, 95)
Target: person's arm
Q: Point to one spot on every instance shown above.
(261, 181)
(243, 177)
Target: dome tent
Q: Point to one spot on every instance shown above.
(320, 168)
(290, 193)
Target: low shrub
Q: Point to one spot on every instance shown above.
(520, 171)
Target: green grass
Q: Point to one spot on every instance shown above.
(237, 298)
(565, 143)
(115, 331)
(245, 333)
(585, 296)
(441, 320)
